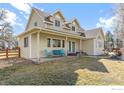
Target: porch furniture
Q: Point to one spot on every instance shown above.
(77, 53)
(84, 53)
(47, 53)
(72, 54)
(59, 52)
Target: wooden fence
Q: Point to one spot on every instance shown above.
(9, 53)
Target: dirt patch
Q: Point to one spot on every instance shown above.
(13, 61)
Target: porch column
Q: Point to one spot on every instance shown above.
(38, 39)
(66, 46)
(80, 46)
(30, 46)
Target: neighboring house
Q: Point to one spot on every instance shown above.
(53, 31)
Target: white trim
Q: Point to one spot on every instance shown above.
(66, 46)
(80, 45)
(38, 43)
(64, 27)
(30, 46)
(51, 23)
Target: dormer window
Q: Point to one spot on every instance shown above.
(35, 23)
(73, 28)
(57, 23)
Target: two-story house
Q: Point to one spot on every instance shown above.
(53, 31)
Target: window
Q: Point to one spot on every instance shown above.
(57, 23)
(73, 28)
(56, 43)
(48, 42)
(63, 43)
(26, 42)
(99, 44)
(69, 46)
(35, 24)
(99, 38)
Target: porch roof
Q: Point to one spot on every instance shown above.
(53, 32)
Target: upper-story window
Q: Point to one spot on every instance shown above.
(57, 23)
(35, 24)
(73, 28)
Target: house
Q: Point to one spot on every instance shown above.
(95, 45)
(54, 32)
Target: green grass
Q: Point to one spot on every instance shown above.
(70, 71)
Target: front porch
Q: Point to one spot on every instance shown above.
(40, 41)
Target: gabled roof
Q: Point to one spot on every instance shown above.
(75, 20)
(81, 30)
(41, 13)
(47, 17)
(94, 32)
(58, 11)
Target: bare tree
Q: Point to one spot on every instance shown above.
(118, 25)
(6, 30)
(2, 14)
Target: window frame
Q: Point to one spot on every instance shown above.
(70, 46)
(56, 43)
(57, 23)
(26, 42)
(48, 42)
(73, 28)
(99, 44)
(63, 43)
(35, 24)
(73, 47)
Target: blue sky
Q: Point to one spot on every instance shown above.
(89, 15)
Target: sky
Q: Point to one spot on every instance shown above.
(89, 15)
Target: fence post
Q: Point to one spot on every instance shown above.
(19, 52)
(7, 53)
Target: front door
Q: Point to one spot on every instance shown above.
(71, 47)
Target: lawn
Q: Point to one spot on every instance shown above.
(69, 71)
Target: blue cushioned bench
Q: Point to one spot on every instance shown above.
(59, 52)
